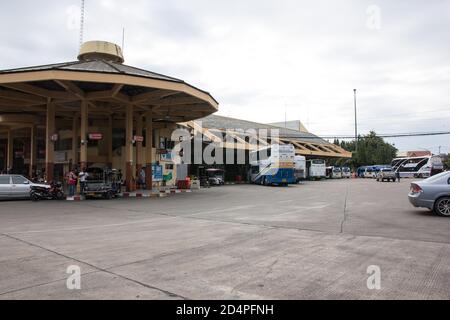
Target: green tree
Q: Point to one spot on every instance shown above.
(372, 150)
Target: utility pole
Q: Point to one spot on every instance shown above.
(81, 23)
(356, 123)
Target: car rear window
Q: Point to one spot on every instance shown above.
(4, 179)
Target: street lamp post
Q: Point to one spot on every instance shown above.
(356, 123)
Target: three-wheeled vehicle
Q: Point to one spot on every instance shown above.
(216, 177)
(102, 183)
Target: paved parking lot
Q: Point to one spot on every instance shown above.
(312, 241)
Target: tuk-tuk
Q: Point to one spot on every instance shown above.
(102, 183)
(216, 177)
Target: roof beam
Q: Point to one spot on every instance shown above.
(153, 96)
(122, 98)
(104, 94)
(41, 92)
(72, 88)
(10, 102)
(178, 101)
(20, 96)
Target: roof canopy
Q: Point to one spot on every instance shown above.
(216, 128)
(108, 86)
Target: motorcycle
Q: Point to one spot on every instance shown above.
(53, 191)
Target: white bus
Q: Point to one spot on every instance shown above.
(300, 168)
(418, 167)
(273, 165)
(336, 173)
(346, 173)
(316, 169)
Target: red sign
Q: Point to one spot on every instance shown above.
(139, 138)
(95, 136)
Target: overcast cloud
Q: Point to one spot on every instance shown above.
(260, 58)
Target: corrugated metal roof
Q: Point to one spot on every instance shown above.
(226, 123)
(101, 66)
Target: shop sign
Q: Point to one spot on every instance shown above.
(60, 156)
(138, 138)
(95, 136)
(166, 156)
(54, 137)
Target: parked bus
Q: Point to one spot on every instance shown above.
(273, 165)
(316, 169)
(336, 173)
(346, 173)
(418, 167)
(300, 168)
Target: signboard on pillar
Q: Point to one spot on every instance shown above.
(158, 175)
(138, 138)
(54, 137)
(95, 136)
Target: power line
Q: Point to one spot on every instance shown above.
(391, 135)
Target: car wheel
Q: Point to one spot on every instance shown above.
(34, 197)
(109, 195)
(442, 207)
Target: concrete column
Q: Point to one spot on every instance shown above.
(75, 136)
(49, 144)
(149, 149)
(32, 151)
(109, 141)
(129, 148)
(10, 151)
(83, 134)
(139, 125)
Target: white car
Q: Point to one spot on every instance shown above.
(16, 187)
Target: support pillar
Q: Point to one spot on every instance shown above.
(32, 152)
(149, 149)
(139, 125)
(109, 141)
(49, 144)
(9, 152)
(83, 135)
(129, 148)
(75, 138)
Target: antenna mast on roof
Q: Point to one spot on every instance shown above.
(123, 40)
(81, 22)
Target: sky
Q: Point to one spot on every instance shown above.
(263, 60)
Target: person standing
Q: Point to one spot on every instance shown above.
(397, 174)
(83, 175)
(71, 182)
(142, 180)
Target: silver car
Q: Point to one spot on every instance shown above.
(432, 193)
(15, 187)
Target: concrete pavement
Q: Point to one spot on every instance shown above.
(312, 241)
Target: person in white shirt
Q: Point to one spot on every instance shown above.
(83, 175)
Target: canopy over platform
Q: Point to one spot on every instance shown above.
(96, 89)
(108, 86)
